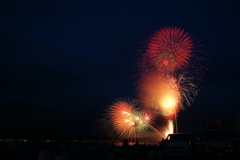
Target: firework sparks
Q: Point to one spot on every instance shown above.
(124, 120)
(188, 90)
(168, 50)
(165, 85)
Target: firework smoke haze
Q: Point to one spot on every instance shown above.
(160, 93)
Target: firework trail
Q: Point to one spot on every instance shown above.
(124, 120)
(187, 89)
(169, 129)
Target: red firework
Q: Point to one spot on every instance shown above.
(168, 50)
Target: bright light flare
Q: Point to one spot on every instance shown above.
(160, 93)
(169, 129)
(169, 102)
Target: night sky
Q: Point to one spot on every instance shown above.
(64, 62)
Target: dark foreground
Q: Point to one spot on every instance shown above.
(69, 150)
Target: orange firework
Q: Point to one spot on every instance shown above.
(124, 120)
(160, 93)
(166, 94)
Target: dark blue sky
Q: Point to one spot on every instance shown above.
(63, 62)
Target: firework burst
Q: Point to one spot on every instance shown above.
(124, 120)
(168, 67)
(161, 94)
(168, 50)
(166, 94)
